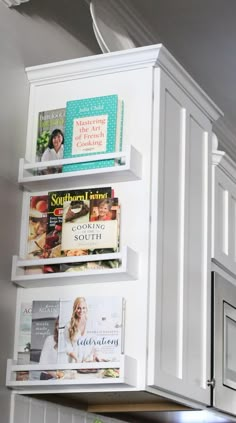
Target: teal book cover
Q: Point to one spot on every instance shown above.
(93, 126)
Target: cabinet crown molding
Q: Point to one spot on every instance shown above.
(153, 56)
(226, 137)
(224, 162)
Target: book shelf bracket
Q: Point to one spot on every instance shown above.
(128, 269)
(127, 365)
(128, 164)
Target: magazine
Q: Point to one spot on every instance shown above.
(37, 227)
(56, 200)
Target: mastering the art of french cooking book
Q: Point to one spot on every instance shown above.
(93, 126)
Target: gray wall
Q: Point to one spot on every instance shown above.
(31, 34)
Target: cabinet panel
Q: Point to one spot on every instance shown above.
(37, 411)
(224, 212)
(179, 342)
(224, 347)
(170, 346)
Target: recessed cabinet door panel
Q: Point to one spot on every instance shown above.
(224, 393)
(224, 217)
(229, 347)
(179, 336)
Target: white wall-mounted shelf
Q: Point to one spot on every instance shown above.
(128, 167)
(80, 382)
(127, 270)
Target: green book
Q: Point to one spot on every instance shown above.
(93, 126)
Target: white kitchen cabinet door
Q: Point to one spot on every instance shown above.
(224, 211)
(224, 343)
(180, 291)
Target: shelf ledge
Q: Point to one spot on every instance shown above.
(127, 366)
(127, 270)
(128, 167)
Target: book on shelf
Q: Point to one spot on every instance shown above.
(80, 375)
(80, 330)
(93, 126)
(91, 265)
(91, 330)
(50, 139)
(56, 201)
(44, 335)
(22, 376)
(37, 226)
(90, 226)
(24, 338)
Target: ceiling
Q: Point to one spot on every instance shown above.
(201, 35)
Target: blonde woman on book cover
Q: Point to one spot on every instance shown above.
(75, 328)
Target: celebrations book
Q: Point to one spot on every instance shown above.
(91, 329)
(93, 126)
(56, 201)
(90, 225)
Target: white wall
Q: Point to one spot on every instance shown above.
(29, 410)
(28, 36)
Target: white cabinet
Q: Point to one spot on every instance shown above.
(164, 190)
(180, 291)
(224, 212)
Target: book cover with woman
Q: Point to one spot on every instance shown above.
(91, 330)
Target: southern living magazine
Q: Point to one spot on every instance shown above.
(93, 126)
(91, 329)
(24, 339)
(44, 335)
(90, 225)
(56, 201)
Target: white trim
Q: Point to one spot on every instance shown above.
(141, 57)
(226, 136)
(224, 162)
